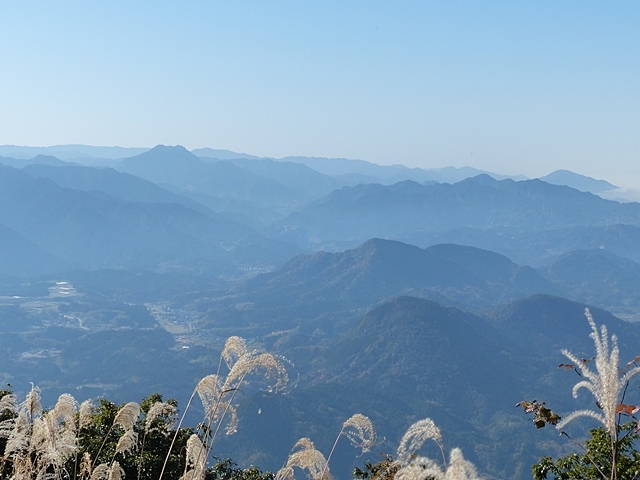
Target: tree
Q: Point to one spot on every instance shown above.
(596, 460)
(136, 440)
(384, 469)
(611, 452)
(100, 439)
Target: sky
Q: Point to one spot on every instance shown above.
(512, 87)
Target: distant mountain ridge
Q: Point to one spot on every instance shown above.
(295, 204)
(345, 171)
(598, 277)
(214, 183)
(442, 213)
(70, 152)
(104, 219)
(326, 292)
(123, 271)
(380, 268)
(577, 181)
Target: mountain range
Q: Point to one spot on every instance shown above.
(399, 293)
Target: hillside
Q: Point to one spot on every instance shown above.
(598, 277)
(505, 216)
(399, 300)
(103, 219)
(577, 181)
(217, 182)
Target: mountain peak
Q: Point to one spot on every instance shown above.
(578, 181)
(169, 149)
(164, 153)
(482, 179)
(164, 164)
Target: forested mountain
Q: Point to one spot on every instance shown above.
(19, 256)
(411, 358)
(526, 220)
(597, 277)
(177, 168)
(381, 268)
(399, 300)
(110, 182)
(86, 228)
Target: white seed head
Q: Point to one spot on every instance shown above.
(415, 437)
(359, 430)
(127, 416)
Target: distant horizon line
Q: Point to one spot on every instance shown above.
(143, 149)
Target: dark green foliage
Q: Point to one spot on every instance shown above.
(541, 414)
(146, 462)
(99, 439)
(5, 467)
(595, 462)
(228, 470)
(382, 470)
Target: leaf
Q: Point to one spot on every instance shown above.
(635, 360)
(587, 360)
(542, 414)
(628, 409)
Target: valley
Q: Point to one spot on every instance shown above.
(396, 293)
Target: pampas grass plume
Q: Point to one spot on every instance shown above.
(127, 416)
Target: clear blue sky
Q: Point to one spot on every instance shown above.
(508, 86)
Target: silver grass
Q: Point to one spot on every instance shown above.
(6, 427)
(415, 437)
(22, 467)
(423, 468)
(218, 395)
(116, 472)
(215, 403)
(127, 442)
(196, 459)
(606, 383)
(65, 410)
(9, 403)
(360, 432)
(274, 371)
(304, 443)
(44, 474)
(85, 413)
(420, 468)
(127, 416)
(61, 422)
(285, 473)
(52, 439)
(210, 391)
(85, 465)
(305, 456)
(226, 409)
(101, 472)
(459, 468)
(20, 434)
(157, 410)
(32, 403)
(234, 348)
(39, 443)
(43, 443)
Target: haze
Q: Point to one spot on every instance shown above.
(508, 87)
